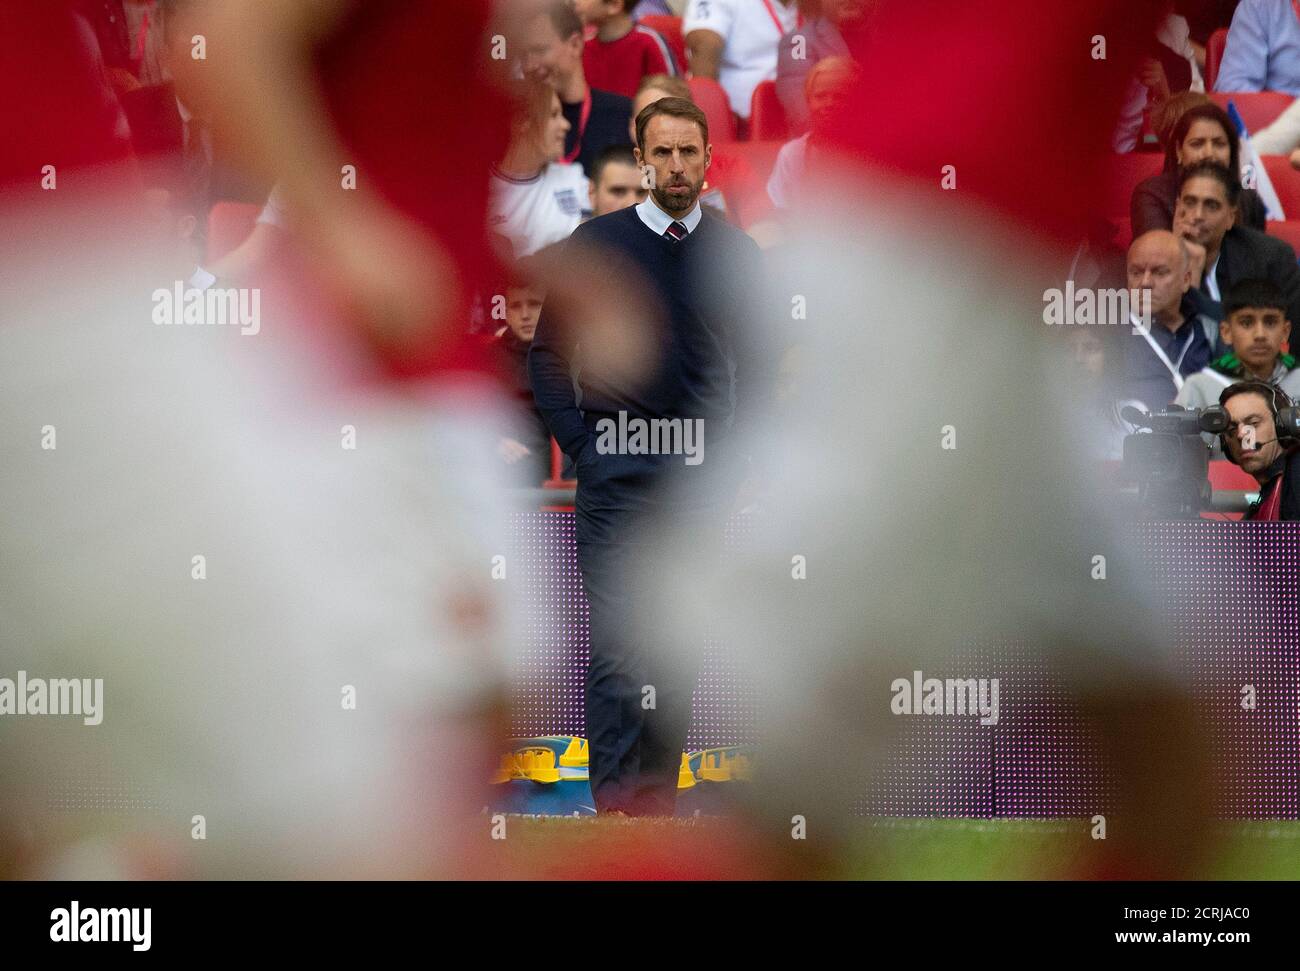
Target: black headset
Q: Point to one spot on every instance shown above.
(1284, 425)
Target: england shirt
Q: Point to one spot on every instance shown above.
(751, 32)
(533, 213)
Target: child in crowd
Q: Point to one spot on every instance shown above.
(621, 52)
(1255, 328)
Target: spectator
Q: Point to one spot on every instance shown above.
(1206, 214)
(828, 85)
(1251, 442)
(1169, 68)
(622, 52)
(616, 181)
(1202, 133)
(535, 198)
(1263, 49)
(734, 42)
(1254, 330)
(732, 189)
(1158, 360)
(804, 47)
(1253, 333)
(552, 46)
(527, 447)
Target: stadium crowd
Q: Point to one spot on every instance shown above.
(1204, 233)
(1206, 236)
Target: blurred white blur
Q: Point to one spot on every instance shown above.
(915, 553)
(326, 567)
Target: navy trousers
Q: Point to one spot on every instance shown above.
(638, 692)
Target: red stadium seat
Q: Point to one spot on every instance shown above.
(229, 224)
(1123, 232)
(713, 101)
(1286, 181)
(767, 115)
(1214, 55)
(1287, 230)
(746, 190)
(1258, 108)
(671, 29)
(1123, 174)
(1225, 475)
(761, 156)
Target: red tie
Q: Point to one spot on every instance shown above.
(676, 230)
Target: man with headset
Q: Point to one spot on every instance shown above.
(1252, 442)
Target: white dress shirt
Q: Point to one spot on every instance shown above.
(659, 221)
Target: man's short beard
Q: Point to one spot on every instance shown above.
(667, 204)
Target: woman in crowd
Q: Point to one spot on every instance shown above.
(536, 199)
(1202, 132)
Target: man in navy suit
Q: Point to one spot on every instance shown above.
(639, 436)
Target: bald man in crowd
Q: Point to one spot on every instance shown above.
(1177, 343)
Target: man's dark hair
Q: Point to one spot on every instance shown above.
(1213, 170)
(675, 107)
(564, 18)
(1265, 390)
(1256, 294)
(611, 153)
(1205, 112)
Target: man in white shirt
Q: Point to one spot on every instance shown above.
(735, 42)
